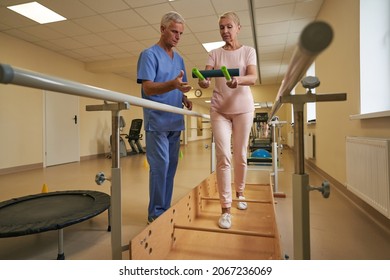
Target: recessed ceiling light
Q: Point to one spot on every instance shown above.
(213, 45)
(37, 12)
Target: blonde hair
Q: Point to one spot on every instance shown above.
(171, 16)
(231, 15)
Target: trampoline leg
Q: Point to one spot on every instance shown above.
(61, 255)
(109, 219)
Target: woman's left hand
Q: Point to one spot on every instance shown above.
(233, 83)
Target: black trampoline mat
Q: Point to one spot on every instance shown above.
(49, 211)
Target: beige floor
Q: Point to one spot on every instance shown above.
(339, 230)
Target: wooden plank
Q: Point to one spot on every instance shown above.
(217, 230)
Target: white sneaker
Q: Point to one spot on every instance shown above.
(225, 221)
(242, 205)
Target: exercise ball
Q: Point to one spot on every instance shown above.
(261, 153)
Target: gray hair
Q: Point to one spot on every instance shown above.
(171, 16)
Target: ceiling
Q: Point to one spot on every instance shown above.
(109, 35)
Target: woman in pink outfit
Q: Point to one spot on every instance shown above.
(231, 112)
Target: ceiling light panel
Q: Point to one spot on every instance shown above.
(36, 12)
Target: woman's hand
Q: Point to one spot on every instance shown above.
(233, 83)
(204, 83)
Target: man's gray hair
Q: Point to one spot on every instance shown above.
(171, 16)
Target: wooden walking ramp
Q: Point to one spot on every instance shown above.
(189, 229)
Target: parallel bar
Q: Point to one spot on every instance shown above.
(17, 76)
(216, 230)
(239, 200)
(315, 38)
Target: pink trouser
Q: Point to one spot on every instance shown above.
(231, 135)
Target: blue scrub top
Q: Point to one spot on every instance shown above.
(154, 64)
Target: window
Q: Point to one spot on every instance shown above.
(374, 57)
(310, 107)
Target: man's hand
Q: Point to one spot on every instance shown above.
(180, 85)
(187, 103)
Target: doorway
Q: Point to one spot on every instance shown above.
(62, 140)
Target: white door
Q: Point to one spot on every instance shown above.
(61, 128)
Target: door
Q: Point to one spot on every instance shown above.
(61, 128)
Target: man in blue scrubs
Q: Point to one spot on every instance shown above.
(161, 72)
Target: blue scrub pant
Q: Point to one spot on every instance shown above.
(162, 152)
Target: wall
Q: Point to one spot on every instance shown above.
(22, 109)
(338, 70)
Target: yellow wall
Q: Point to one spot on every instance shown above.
(22, 109)
(338, 70)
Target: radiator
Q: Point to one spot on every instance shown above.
(309, 145)
(368, 171)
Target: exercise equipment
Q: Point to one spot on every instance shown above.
(277, 147)
(225, 73)
(189, 230)
(26, 78)
(42, 212)
(197, 74)
(134, 137)
(215, 73)
(260, 156)
(315, 38)
(260, 137)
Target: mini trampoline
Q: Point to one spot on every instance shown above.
(50, 211)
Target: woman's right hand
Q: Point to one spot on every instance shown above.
(204, 83)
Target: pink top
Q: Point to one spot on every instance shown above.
(227, 100)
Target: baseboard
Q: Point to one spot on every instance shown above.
(20, 168)
(363, 206)
(91, 157)
(29, 167)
